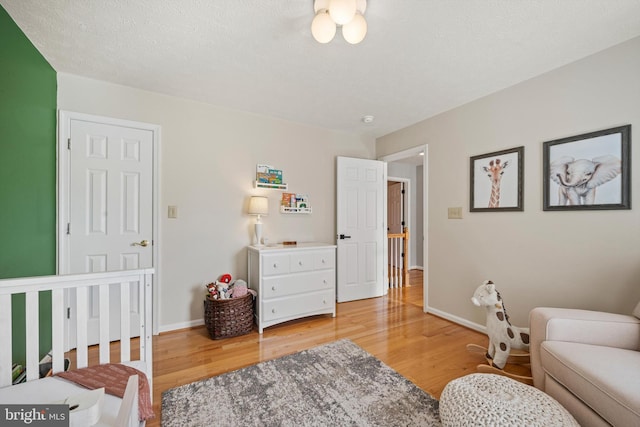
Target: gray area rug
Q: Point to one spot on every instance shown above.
(336, 384)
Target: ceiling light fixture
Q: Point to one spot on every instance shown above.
(348, 14)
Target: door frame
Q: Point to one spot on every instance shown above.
(425, 210)
(62, 196)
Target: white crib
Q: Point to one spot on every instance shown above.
(82, 284)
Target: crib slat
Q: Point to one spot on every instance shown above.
(32, 335)
(82, 352)
(5, 337)
(104, 323)
(57, 330)
(146, 325)
(125, 322)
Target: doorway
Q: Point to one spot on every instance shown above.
(400, 244)
(416, 160)
(107, 205)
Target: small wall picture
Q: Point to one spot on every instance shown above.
(497, 181)
(588, 172)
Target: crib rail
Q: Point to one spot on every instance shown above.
(31, 287)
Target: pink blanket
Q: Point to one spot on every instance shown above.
(113, 377)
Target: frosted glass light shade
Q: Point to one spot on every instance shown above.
(323, 28)
(319, 5)
(361, 6)
(355, 31)
(342, 11)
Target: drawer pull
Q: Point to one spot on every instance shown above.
(273, 310)
(324, 281)
(273, 288)
(324, 301)
(300, 263)
(275, 265)
(323, 261)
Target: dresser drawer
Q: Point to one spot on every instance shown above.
(325, 260)
(307, 261)
(275, 264)
(297, 305)
(280, 286)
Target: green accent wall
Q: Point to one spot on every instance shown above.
(27, 171)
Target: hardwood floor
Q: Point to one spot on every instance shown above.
(428, 350)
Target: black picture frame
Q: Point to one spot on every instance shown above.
(591, 171)
(484, 170)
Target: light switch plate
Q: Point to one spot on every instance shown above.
(454, 213)
(173, 212)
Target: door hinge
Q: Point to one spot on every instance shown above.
(68, 228)
(68, 143)
(403, 191)
(68, 312)
(403, 223)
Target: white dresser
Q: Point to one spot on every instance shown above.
(292, 281)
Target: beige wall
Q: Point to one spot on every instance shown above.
(582, 259)
(208, 160)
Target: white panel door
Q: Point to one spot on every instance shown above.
(110, 195)
(361, 227)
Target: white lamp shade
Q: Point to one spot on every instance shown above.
(342, 11)
(323, 28)
(355, 31)
(258, 205)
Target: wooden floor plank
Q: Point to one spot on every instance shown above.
(428, 350)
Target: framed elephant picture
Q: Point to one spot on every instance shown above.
(497, 181)
(588, 172)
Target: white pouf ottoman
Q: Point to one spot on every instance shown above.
(495, 400)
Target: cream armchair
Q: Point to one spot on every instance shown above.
(590, 362)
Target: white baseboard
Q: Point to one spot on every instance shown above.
(456, 319)
(183, 325)
(448, 316)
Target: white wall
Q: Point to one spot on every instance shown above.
(208, 160)
(587, 259)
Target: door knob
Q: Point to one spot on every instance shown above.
(143, 243)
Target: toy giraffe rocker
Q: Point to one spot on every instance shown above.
(503, 336)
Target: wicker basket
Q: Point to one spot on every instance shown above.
(228, 317)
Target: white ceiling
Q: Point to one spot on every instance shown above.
(420, 57)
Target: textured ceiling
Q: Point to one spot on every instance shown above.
(420, 57)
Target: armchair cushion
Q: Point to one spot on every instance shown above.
(579, 326)
(604, 378)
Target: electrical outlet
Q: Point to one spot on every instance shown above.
(454, 213)
(173, 212)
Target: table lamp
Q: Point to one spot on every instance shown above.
(258, 205)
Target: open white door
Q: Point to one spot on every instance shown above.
(361, 228)
(107, 213)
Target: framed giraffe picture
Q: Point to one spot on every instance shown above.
(497, 181)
